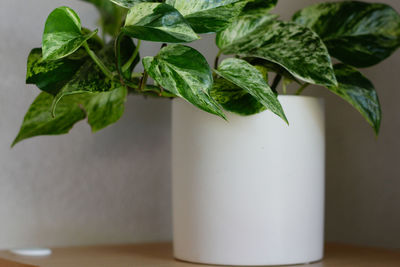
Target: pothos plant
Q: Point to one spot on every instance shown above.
(82, 75)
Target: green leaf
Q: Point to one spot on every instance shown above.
(63, 34)
(294, 47)
(247, 77)
(102, 109)
(125, 52)
(105, 108)
(158, 23)
(272, 67)
(359, 34)
(50, 76)
(129, 3)
(112, 15)
(185, 73)
(235, 99)
(207, 16)
(243, 29)
(39, 121)
(257, 5)
(88, 90)
(359, 92)
(89, 77)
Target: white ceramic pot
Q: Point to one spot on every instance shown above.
(249, 191)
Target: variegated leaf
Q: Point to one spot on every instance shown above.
(158, 23)
(272, 67)
(296, 48)
(257, 5)
(251, 80)
(89, 78)
(184, 72)
(235, 99)
(105, 108)
(63, 34)
(207, 16)
(39, 121)
(50, 76)
(359, 92)
(129, 3)
(242, 30)
(359, 34)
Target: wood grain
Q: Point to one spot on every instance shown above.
(146, 255)
(8, 263)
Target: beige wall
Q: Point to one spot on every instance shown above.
(114, 186)
(80, 188)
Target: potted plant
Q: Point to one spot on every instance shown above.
(248, 183)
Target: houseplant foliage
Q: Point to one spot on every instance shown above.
(84, 76)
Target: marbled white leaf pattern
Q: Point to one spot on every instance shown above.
(207, 16)
(235, 99)
(129, 3)
(296, 48)
(158, 23)
(247, 77)
(184, 72)
(357, 33)
(50, 76)
(356, 89)
(63, 34)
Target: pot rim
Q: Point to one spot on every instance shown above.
(301, 96)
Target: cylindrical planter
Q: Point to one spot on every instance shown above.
(249, 191)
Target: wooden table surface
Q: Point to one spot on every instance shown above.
(160, 255)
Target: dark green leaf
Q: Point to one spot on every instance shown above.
(39, 121)
(264, 5)
(185, 73)
(359, 92)
(63, 34)
(296, 48)
(208, 15)
(359, 34)
(50, 76)
(127, 48)
(251, 80)
(89, 78)
(272, 67)
(235, 99)
(105, 108)
(158, 23)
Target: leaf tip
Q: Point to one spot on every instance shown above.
(14, 143)
(376, 130)
(283, 116)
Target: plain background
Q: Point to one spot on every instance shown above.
(114, 186)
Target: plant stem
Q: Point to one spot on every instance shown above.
(276, 82)
(284, 88)
(136, 75)
(117, 51)
(217, 59)
(98, 62)
(143, 81)
(126, 66)
(301, 89)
